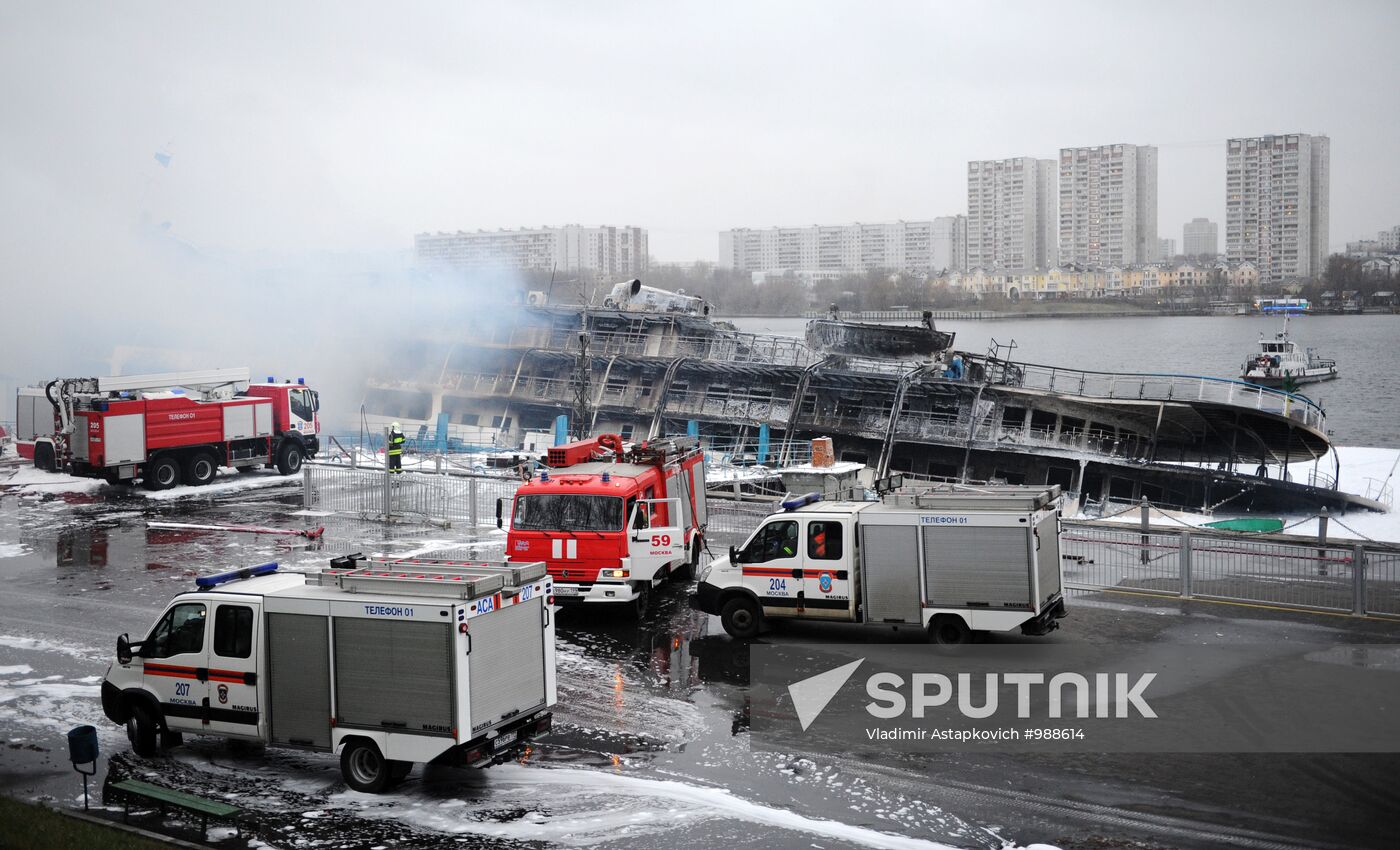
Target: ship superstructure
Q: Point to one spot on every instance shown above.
(962, 416)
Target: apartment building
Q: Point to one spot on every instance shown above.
(608, 252)
(1277, 204)
(1200, 237)
(829, 251)
(1011, 213)
(1108, 205)
(949, 243)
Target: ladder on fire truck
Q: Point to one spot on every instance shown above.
(428, 576)
(207, 383)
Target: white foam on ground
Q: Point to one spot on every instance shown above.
(231, 483)
(13, 550)
(666, 805)
(16, 670)
(41, 645)
(30, 481)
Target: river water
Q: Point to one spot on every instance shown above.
(1363, 404)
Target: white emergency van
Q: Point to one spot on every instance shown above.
(388, 662)
(953, 561)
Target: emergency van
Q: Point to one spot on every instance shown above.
(385, 662)
(953, 562)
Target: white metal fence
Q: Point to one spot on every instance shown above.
(407, 496)
(1340, 576)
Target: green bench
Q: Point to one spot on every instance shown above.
(136, 790)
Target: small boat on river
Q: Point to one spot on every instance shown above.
(835, 335)
(1280, 363)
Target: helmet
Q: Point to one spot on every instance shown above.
(395, 426)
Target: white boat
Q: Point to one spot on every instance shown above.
(1281, 363)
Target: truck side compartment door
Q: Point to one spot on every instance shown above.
(769, 561)
(174, 665)
(654, 538)
(233, 664)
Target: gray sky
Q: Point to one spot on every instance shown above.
(340, 128)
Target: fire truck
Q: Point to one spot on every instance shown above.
(169, 428)
(612, 521)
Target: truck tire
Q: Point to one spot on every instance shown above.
(161, 473)
(289, 459)
(741, 617)
(44, 458)
(642, 604)
(949, 630)
(364, 768)
(201, 469)
(141, 731)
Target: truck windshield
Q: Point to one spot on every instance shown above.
(550, 512)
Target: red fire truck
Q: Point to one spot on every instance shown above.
(170, 428)
(612, 521)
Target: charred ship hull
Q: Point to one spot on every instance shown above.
(1180, 440)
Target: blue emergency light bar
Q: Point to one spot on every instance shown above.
(206, 582)
(798, 501)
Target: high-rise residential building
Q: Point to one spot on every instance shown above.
(1390, 239)
(830, 251)
(1011, 214)
(1108, 205)
(1277, 204)
(607, 252)
(1200, 237)
(949, 243)
(1166, 249)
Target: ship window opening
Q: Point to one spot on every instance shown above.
(1010, 477)
(567, 512)
(1061, 475)
(942, 470)
(1043, 420)
(1013, 417)
(1120, 488)
(855, 457)
(469, 419)
(626, 432)
(902, 463)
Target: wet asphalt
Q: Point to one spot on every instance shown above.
(650, 745)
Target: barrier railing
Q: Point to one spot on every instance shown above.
(1358, 577)
(1164, 387)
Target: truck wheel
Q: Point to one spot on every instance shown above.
(141, 731)
(162, 473)
(44, 458)
(642, 604)
(364, 768)
(741, 617)
(949, 630)
(289, 459)
(201, 469)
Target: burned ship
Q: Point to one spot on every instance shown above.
(647, 362)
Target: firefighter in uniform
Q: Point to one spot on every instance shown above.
(395, 452)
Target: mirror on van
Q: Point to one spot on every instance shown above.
(500, 504)
(733, 555)
(124, 654)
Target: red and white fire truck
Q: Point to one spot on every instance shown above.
(168, 428)
(612, 521)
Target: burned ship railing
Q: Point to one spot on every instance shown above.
(1150, 386)
(731, 347)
